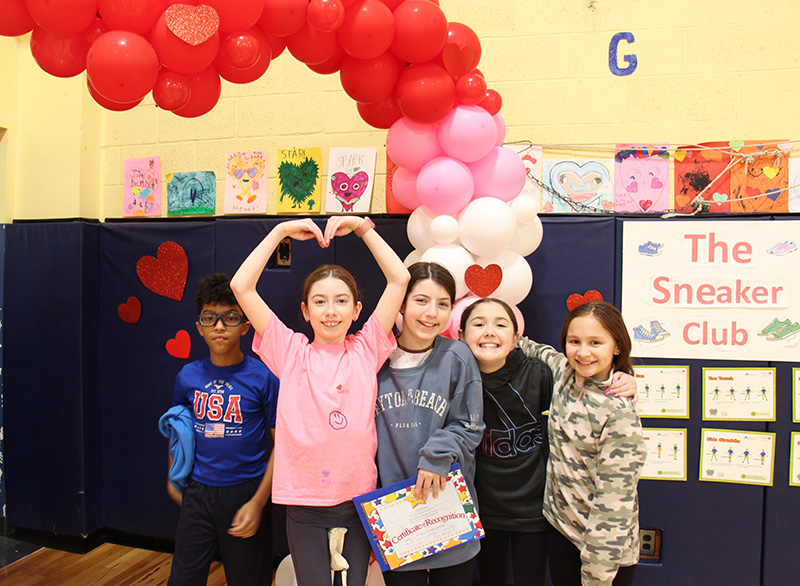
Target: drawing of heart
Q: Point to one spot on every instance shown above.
(579, 183)
(166, 274)
(719, 198)
(771, 172)
(130, 311)
(752, 191)
(531, 159)
(483, 281)
(180, 345)
(773, 194)
(645, 204)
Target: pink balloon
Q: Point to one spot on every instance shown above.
(236, 15)
(501, 129)
(62, 18)
(445, 185)
(122, 66)
(404, 187)
(499, 174)
(411, 145)
(467, 133)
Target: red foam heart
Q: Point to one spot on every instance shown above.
(458, 60)
(130, 311)
(192, 24)
(180, 345)
(166, 274)
(576, 299)
(483, 281)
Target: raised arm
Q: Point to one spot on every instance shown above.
(243, 283)
(393, 269)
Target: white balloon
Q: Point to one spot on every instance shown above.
(528, 237)
(455, 259)
(525, 207)
(486, 226)
(418, 228)
(412, 257)
(444, 229)
(517, 276)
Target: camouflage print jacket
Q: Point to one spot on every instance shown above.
(597, 452)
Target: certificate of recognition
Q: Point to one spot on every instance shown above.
(403, 529)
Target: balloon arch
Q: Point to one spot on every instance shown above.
(406, 67)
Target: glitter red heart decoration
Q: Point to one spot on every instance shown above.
(180, 345)
(458, 60)
(483, 281)
(192, 24)
(166, 274)
(576, 299)
(130, 311)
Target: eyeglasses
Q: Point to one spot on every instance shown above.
(230, 319)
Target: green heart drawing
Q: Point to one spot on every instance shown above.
(720, 198)
(736, 145)
(298, 181)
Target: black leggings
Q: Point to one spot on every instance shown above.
(528, 558)
(565, 563)
(458, 575)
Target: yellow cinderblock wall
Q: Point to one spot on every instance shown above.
(707, 70)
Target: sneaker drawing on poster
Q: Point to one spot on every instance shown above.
(782, 248)
(650, 332)
(651, 248)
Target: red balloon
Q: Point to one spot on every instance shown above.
(16, 20)
(330, 65)
(367, 30)
(325, 15)
(425, 92)
(65, 17)
(392, 4)
(171, 90)
(311, 46)
(240, 50)
(205, 87)
(137, 16)
(276, 43)
(283, 17)
(252, 73)
(236, 15)
(463, 36)
(380, 114)
(59, 55)
(94, 32)
(420, 31)
(109, 104)
(178, 55)
(471, 89)
(122, 66)
(370, 80)
(492, 102)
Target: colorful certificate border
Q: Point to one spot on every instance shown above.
(682, 446)
(794, 459)
(388, 559)
(795, 392)
(643, 404)
(707, 475)
(708, 416)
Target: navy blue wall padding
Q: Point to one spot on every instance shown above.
(52, 425)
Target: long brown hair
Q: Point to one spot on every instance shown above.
(333, 271)
(611, 320)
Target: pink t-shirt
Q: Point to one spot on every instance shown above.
(325, 438)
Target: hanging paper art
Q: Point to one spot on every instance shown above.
(299, 183)
(703, 168)
(641, 179)
(531, 156)
(246, 183)
(191, 194)
(759, 183)
(351, 177)
(578, 185)
(141, 195)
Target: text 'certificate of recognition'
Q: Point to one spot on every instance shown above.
(403, 529)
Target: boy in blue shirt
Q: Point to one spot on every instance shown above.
(232, 398)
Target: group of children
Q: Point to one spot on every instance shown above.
(356, 411)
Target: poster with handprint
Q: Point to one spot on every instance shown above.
(246, 182)
(351, 176)
(299, 181)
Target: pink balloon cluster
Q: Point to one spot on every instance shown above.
(395, 57)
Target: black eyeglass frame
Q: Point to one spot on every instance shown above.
(221, 316)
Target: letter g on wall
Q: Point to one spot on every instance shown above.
(613, 63)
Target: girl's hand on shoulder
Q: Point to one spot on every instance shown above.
(303, 229)
(623, 385)
(341, 225)
(428, 481)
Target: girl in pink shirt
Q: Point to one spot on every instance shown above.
(325, 430)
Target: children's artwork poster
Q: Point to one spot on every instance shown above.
(191, 194)
(663, 391)
(703, 168)
(245, 183)
(351, 179)
(794, 460)
(760, 185)
(581, 185)
(794, 185)
(739, 394)
(141, 195)
(796, 395)
(300, 181)
(741, 457)
(531, 156)
(641, 179)
(712, 289)
(666, 454)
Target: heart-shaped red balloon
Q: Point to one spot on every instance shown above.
(180, 345)
(130, 311)
(483, 281)
(166, 274)
(458, 60)
(192, 24)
